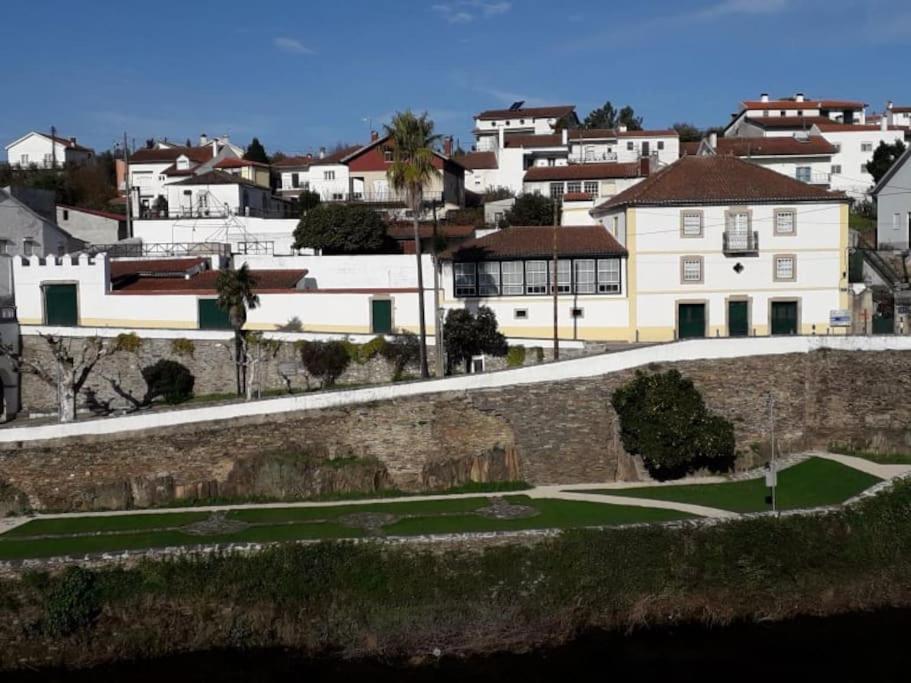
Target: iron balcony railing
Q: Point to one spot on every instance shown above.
(135, 250)
(595, 158)
(215, 212)
(390, 197)
(740, 242)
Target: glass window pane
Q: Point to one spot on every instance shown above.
(785, 222)
(585, 276)
(574, 186)
(513, 283)
(692, 224)
(784, 267)
(564, 276)
(692, 270)
(536, 277)
(465, 279)
(608, 275)
(489, 278)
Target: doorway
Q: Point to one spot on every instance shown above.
(690, 321)
(738, 318)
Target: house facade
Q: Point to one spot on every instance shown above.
(490, 126)
(852, 112)
(855, 147)
(91, 226)
(45, 150)
(897, 115)
(220, 193)
(893, 205)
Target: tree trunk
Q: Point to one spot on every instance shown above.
(66, 401)
(425, 373)
(237, 362)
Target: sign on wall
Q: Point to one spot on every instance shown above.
(840, 318)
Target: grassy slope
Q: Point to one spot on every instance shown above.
(813, 483)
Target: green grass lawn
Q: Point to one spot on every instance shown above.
(79, 536)
(873, 456)
(813, 483)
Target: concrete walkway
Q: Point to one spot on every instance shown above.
(572, 492)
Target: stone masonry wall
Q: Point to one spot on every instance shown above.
(555, 432)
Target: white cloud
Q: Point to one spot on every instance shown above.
(292, 46)
(465, 11)
(728, 7)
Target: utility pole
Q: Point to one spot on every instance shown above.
(53, 147)
(554, 282)
(437, 312)
(772, 477)
(126, 186)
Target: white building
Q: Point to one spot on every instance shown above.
(719, 246)
(898, 116)
(799, 106)
(622, 145)
(92, 226)
(855, 146)
(43, 150)
(490, 126)
(293, 175)
(893, 205)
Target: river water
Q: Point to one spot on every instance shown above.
(864, 647)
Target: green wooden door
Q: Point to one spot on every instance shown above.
(381, 316)
(738, 319)
(211, 317)
(691, 321)
(60, 307)
(784, 317)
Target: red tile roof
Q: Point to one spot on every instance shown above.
(156, 267)
(152, 156)
(577, 197)
(806, 104)
(67, 142)
(521, 140)
(669, 133)
(694, 180)
(537, 242)
(267, 282)
(336, 157)
(527, 113)
(836, 127)
(294, 162)
(477, 160)
(901, 110)
(234, 162)
(607, 133)
(795, 122)
(770, 147)
(583, 171)
(405, 231)
(217, 178)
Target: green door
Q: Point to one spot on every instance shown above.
(738, 319)
(60, 306)
(784, 317)
(211, 317)
(381, 316)
(691, 321)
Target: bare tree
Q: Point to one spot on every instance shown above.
(74, 361)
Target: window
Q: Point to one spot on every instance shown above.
(589, 153)
(295, 180)
(691, 224)
(511, 276)
(564, 277)
(520, 313)
(48, 160)
(836, 169)
(574, 186)
(837, 146)
(804, 173)
(387, 155)
(23, 159)
(863, 168)
(660, 144)
(522, 122)
(691, 269)
(896, 221)
(465, 284)
(328, 175)
(584, 276)
(536, 277)
(66, 215)
(630, 146)
(591, 187)
(489, 278)
(28, 247)
(576, 312)
(5, 247)
(866, 147)
(608, 276)
(785, 221)
(785, 267)
(556, 190)
(781, 113)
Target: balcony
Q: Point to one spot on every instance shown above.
(740, 243)
(390, 198)
(597, 158)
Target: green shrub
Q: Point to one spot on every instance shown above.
(128, 341)
(664, 419)
(325, 360)
(72, 603)
(183, 347)
(364, 353)
(539, 353)
(515, 357)
(402, 351)
(169, 379)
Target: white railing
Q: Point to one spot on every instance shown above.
(600, 157)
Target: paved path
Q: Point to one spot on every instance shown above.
(552, 491)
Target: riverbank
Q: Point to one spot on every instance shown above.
(380, 600)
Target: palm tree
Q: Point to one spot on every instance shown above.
(235, 295)
(411, 170)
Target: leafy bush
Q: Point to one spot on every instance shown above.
(664, 419)
(539, 353)
(515, 357)
(129, 342)
(183, 347)
(73, 602)
(364, 353)
(341, 229)
(466, 335)
(308, 199)
(169, 379)
(325, 360)
(530, 209)
(402, 351)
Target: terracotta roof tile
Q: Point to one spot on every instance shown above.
(795, 122)
(405, 231)
(583, 171)
(537, 241)
(152, 156)
(294, 162)
(160, 268)
(837, 127)
(477, 160)
(527, 112)
(216, 178)
(694, 180)
(267, 281)
(669, 133)
(778, 146)
(95, 212)
(806, 104)
(336, 157)
(521, 140)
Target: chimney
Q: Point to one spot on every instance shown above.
(565, 138)
(203, 140)
(322, 152)
(447, 145)
(621, 128)
(309, 156)
(889, 105)
(73, 140)
(798, 97)
(884, 123)
(374, 136)
(713, 141)
(645, 166)
(764, 97)
(501, 132)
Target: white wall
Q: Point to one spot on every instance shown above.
(577, 368)
(233, 231)
(89, 227)
(340, 184)
(39, 150)
(854, 178)
(349, 272)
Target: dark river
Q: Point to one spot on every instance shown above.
(859, 647)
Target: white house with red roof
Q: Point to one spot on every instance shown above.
(800, 106)
(855, 145)
(44, 150)
(898, 115)
(92, 226)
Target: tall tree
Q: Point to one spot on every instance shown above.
(411, 171)
(687, 132)
(336, 228)
(468, 335)
(530, 209)
(256, 152)
(609, 117)
(237, 293)
(883, 157)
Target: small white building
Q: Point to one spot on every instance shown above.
(43, 150)
(92, 226)
(798, 107)
(855, 146)
(490, 126)
(293, 175)
(899, 116)
(893, 205)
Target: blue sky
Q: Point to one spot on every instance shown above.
(303, 74)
